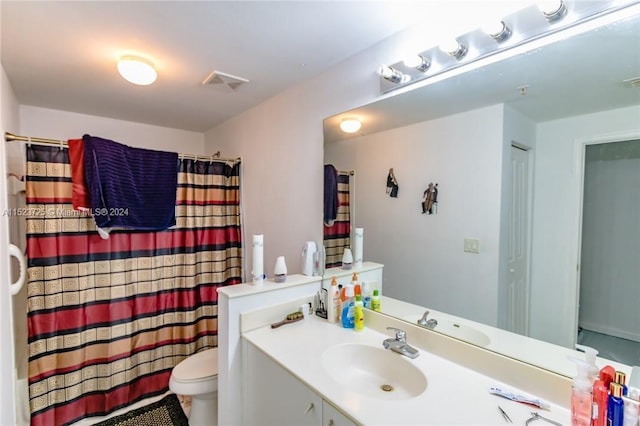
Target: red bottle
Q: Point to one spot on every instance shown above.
(607, 375)
(600, 400)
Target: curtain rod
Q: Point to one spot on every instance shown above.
(347, 172)
(8, 137)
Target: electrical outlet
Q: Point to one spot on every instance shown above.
(472, 245)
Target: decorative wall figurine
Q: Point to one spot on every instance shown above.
(430, 199)
(392, 184)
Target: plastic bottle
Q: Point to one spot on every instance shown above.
(375, 301)
(600, 401)
(607, 375)
(347, 315)
(590, 358)
(333, 302)
(581, 397)
(358, 312)
(615, 408)
(366, 295)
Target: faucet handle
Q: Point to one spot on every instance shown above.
(423, 320)
(401, 335)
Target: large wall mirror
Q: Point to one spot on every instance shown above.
(511, 145)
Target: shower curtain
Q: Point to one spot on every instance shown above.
(337, 237)
(109, 319)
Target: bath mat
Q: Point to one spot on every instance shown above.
(166, 412)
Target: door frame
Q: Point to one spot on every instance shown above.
(580, 149)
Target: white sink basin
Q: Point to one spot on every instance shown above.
(374, 372)
(460, 331)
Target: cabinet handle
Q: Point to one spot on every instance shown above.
(309, 408)
(330, 423)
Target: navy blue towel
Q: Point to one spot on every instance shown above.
(330, 194)
(131, 188)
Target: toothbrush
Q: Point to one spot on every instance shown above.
(524, 399)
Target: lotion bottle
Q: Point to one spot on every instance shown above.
(581, 397)
(375, 301)
(358, 312)
(615, 408)
(333, 302)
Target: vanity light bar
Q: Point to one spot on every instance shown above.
(496, 39)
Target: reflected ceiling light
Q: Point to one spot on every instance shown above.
(418, 62)
(137, 70)
(552, 10)
(453, 48)
(392, 75)
(350, 125)
(499, 31)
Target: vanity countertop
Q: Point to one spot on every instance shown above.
(455, 395)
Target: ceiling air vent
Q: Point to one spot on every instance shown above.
(221, 78)
(632, 82)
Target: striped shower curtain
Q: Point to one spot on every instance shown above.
(109, 319)
(337, 237)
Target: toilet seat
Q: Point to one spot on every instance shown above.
(197, 367)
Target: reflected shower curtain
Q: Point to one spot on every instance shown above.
(337, 237)
(108, 319)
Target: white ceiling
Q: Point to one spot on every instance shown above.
(62, 54)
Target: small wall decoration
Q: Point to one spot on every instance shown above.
(430, 199)
(392, 184)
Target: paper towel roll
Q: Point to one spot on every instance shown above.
(258, 268)
(357, 247)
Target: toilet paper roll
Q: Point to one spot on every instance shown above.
(258, 268)
(357, 246)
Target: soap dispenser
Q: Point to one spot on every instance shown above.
(581, 394)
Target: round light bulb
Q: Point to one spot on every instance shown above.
(413, 61)
(350, 125)
(449, 46)
(137, 70)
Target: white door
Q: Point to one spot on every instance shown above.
(518, 253)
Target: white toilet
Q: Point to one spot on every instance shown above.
(197, 376)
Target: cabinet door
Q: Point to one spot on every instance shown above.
(332, 417)
(272, 396)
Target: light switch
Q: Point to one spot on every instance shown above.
(472, 245)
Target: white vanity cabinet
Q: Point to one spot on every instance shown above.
(274, 397)
(332, 417)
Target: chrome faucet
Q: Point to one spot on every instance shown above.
(430, 324)
(399, 344)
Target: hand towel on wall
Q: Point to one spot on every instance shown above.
(131, 188)
(80, 195)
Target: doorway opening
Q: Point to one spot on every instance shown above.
(609, 293)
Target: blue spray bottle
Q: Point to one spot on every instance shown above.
(347, 316)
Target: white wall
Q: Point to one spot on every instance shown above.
(610, 271)
(9, 122)
(556, 220)
(55, 124)
(281, 144)
(423, 254)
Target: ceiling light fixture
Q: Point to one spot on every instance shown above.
(137, 70)
(499, 31)
(454, 48)
(350, 125)
(418, 62)
(553, 10)
(392, 75)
